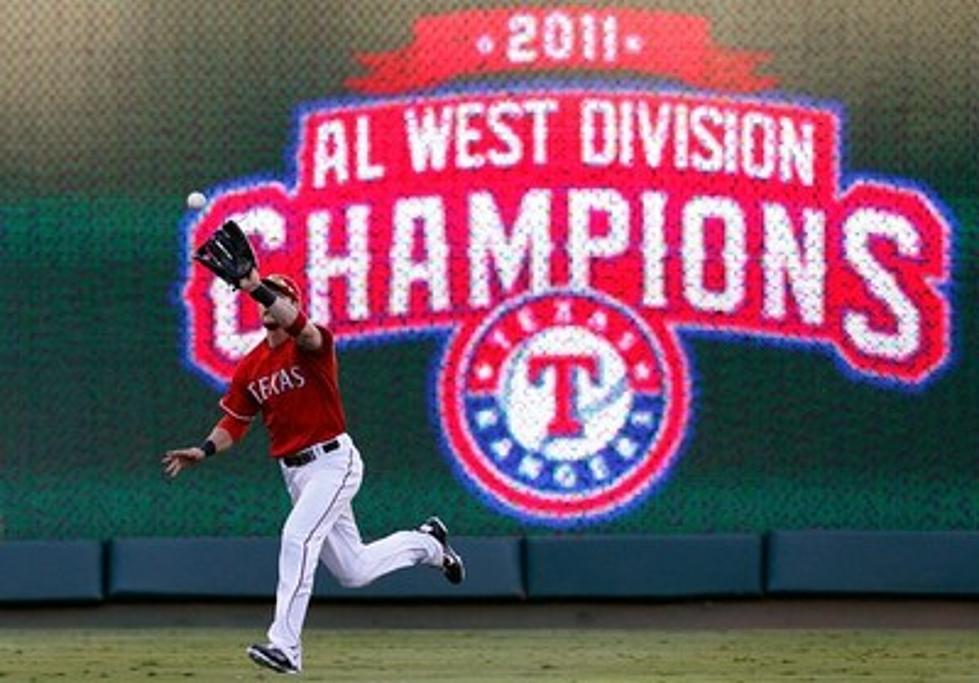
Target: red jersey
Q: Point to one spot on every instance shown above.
(295, 389)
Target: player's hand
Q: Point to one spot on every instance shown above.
(176, 460)
(252, 280)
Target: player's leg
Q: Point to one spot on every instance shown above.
(355, 564)
(325, 488)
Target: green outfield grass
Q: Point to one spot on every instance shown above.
(208, 655)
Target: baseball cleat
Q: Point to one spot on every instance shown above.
(452, 566)
(273, 658)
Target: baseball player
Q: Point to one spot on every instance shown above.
(290, 378)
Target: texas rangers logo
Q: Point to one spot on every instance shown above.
(564, 239)
(564, 404)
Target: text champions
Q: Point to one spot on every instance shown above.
(701, 212)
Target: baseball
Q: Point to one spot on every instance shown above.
(196, 200)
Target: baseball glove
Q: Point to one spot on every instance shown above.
(228, 254)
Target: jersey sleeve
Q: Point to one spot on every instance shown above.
(238, 401)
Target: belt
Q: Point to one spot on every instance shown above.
(308, 455)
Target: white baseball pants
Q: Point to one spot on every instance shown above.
(321, 526)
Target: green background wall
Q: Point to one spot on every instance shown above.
(112, 112)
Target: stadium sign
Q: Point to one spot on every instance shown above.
(564, 237)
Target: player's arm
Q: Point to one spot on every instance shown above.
(225, 433)
(229, 255)
(289, 317)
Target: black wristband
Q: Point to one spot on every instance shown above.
(263, 295)
(209, 448)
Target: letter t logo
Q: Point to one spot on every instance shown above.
(565, 422)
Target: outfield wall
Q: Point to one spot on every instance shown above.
(644, 568)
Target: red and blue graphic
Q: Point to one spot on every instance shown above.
(566, 237)
(564, 405)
